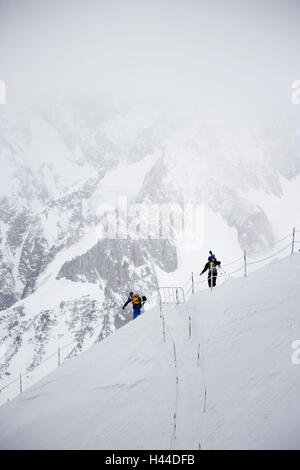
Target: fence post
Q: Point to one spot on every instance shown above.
(190, 327)
(193, 291)
(164, 329)
(293, 240)
(177, 296)
(174, 426)
(205, 400)
(159, 300)
(58, 356)
(245, 263)
(21, 386)
(175, 358)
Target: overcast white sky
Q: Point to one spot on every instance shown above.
(233, 52)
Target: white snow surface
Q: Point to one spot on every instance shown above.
(122, 393)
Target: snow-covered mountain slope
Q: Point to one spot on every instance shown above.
(237, 386)
(62, 162)
(56, 273)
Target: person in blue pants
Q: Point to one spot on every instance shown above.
(137, 304)
(136, 312)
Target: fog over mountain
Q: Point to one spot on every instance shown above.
(156, 102)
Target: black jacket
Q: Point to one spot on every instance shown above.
(210, 265)
(134, 306)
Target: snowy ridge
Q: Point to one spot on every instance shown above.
(233, 373)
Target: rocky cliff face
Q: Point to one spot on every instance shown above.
(50, 206)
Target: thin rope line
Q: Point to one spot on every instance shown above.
(232, 262)
(268, 257)
(282, 239)
(232, 272)
(10, 383)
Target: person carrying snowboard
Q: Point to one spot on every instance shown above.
(211, 266)
(137, 304)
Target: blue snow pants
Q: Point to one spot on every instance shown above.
(136, 312)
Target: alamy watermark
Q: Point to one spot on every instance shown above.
(295, 98)
(296, 354)
(141, 221)
(2, 92)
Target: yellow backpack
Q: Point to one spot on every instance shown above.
(135, 299)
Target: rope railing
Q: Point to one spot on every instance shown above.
(200, 281)
(196, 282)
(188, 291)
(187, 282)
(232, 262)
(268, 257)
(57, 354)
(282, 239)
(275, 243)
(235, 271)
(8, 385)
(169, 295)
(199, 275)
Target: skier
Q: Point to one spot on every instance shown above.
(137, 303)
(211, 266)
